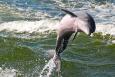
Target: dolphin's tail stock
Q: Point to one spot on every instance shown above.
(69, 12)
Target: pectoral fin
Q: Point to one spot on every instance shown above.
(74, 36)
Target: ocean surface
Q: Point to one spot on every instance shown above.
(28, 39)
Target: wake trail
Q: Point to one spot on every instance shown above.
(53, 65)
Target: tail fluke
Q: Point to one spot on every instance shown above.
(69, 12)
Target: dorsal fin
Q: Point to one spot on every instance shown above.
(69, 12)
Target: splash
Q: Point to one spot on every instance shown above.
(8, 72)
(53, 65)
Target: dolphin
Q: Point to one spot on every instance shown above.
(73, 22)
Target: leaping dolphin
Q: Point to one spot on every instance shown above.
(73, 22)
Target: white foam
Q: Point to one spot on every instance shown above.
(106, 28)
(49, 25)
(113, 41)
(28, 26)
(8, 72)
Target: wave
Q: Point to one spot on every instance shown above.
(47, 25)
(103, 14)
(28, 26)
(106, 28)
(40, 11)
(12, 13)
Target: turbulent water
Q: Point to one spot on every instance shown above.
(28, 38)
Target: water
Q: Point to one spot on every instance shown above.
(54, 64)
(48, 68)
(28, 38)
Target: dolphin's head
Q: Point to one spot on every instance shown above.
(85, 23)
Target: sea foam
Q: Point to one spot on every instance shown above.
(8, 72)
(106, 28)
(47, 25)
(28, 26)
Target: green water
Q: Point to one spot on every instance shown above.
(84, 57)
